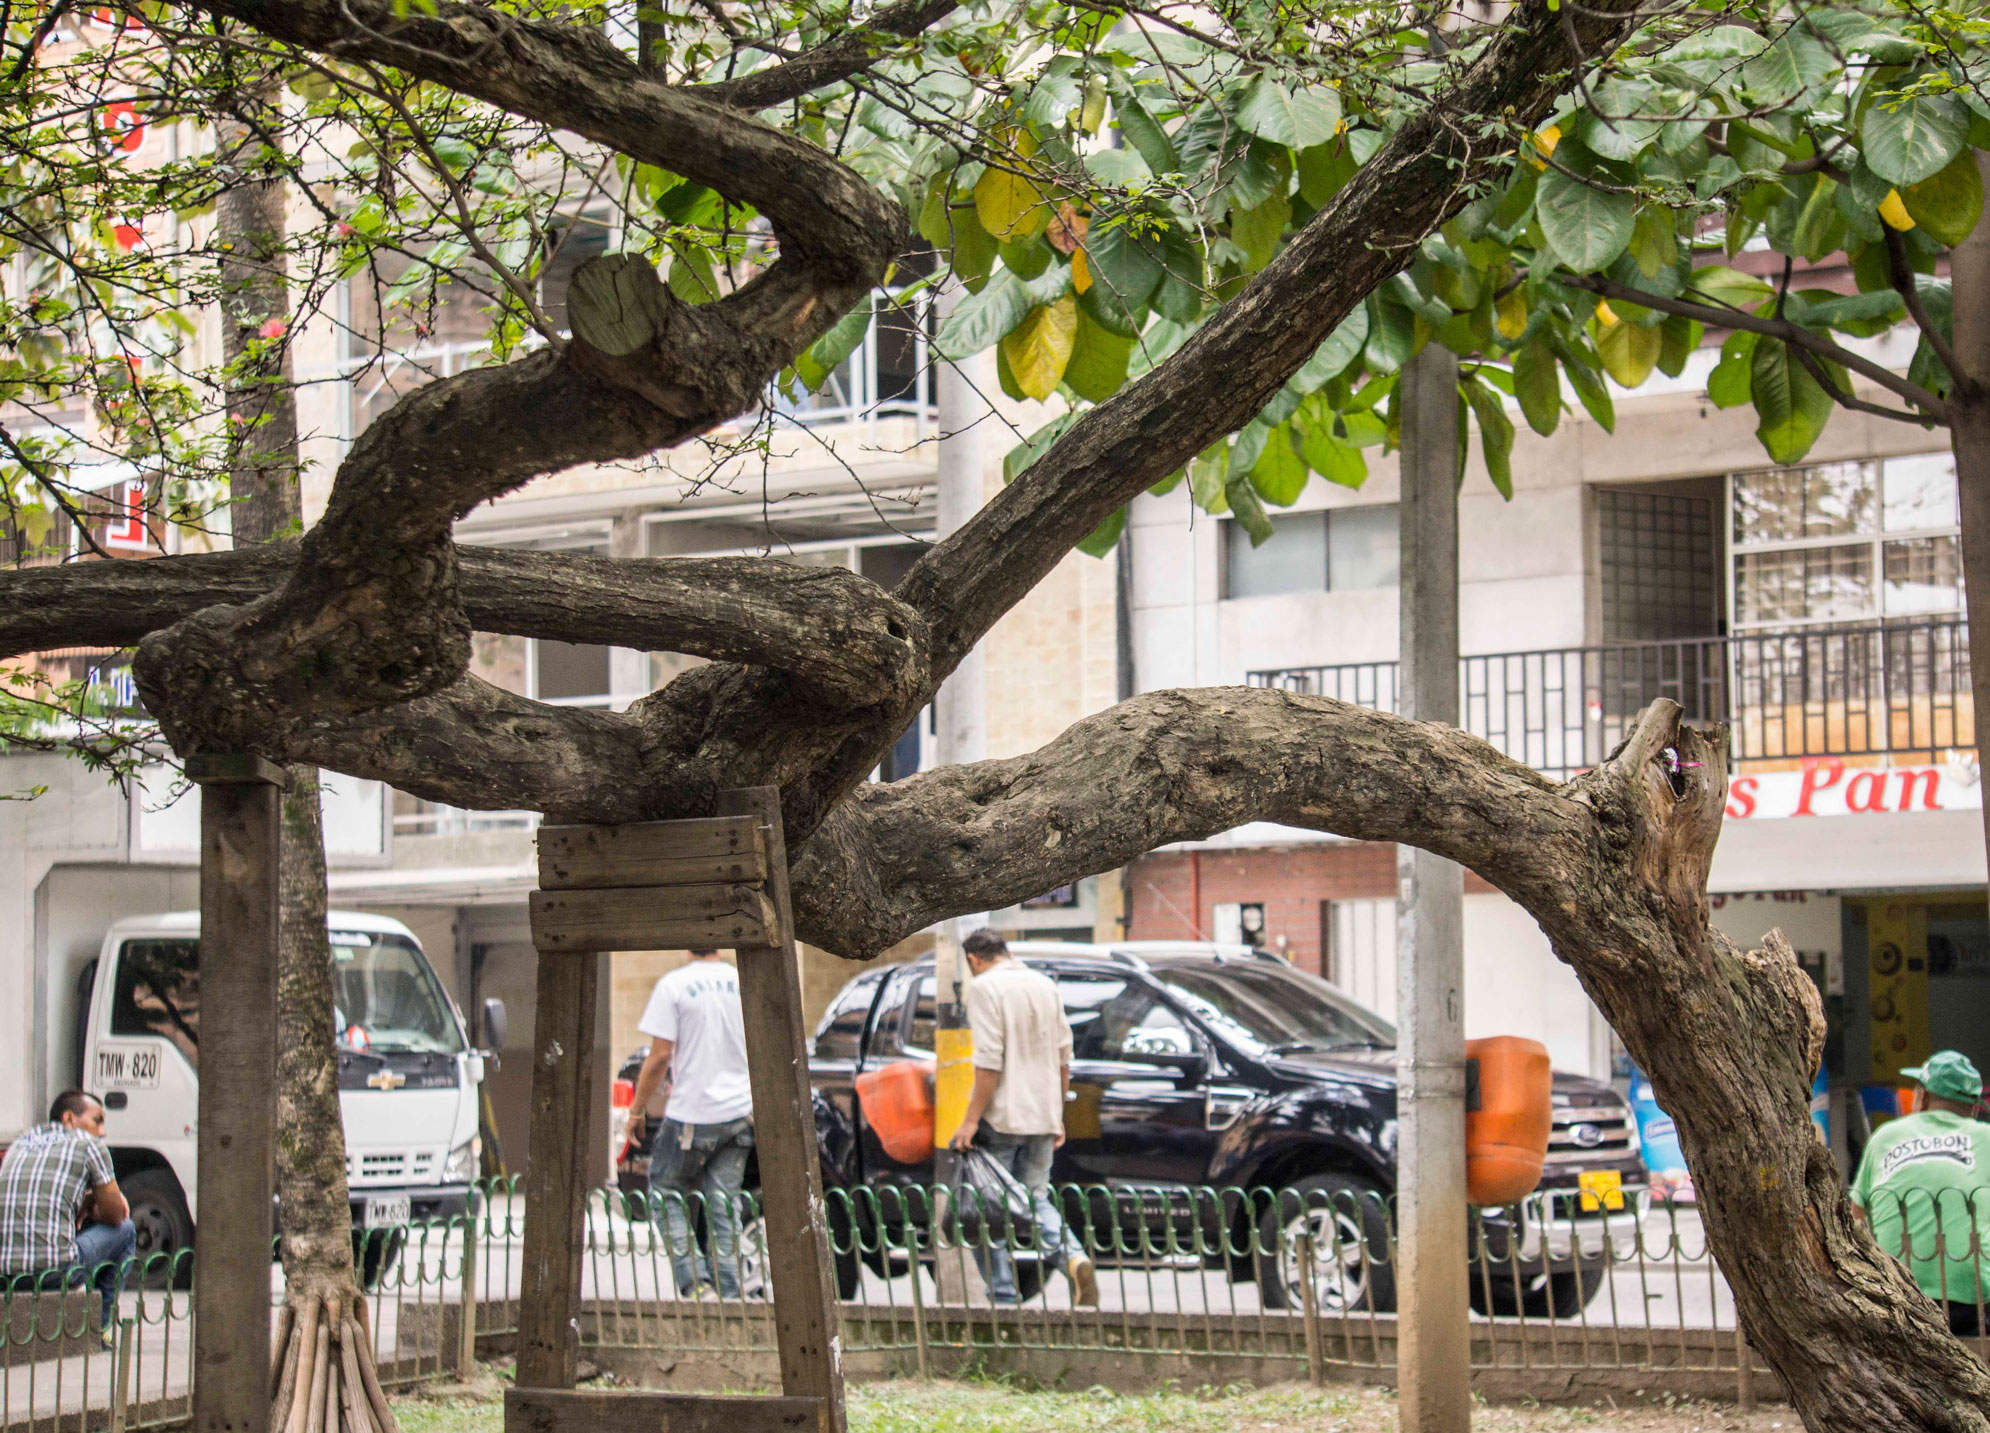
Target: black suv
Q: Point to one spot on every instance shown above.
(1219, 1069)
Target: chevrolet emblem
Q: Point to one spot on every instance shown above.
(386, 1080)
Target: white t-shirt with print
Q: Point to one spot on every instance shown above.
(697, 1007)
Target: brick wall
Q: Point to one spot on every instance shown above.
(1290, 881)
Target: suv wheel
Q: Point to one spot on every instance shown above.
(1558, 1295)
(165, 1229)
(1349, 1223)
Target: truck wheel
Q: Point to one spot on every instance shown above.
(1349, 1223)
(165, 1229)
(1560, 1295)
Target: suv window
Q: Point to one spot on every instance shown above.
(840, 1035)
(1115, 1018)
(915, 1021)
(158, 993)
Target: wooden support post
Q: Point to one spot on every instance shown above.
(556, 1172)
(784, 1136)
(240, 862)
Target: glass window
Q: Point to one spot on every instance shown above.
(1923, 574)
(1364, 548)
(385, 997)
(840, 1036)
(1805, 583)
(1130, 1024)
(915, 1023)
(158, 993)
(1783, 504)
(1292, 559)
(1920, 492)
(1274, 1010)
(1346, 550)
(1085, 997)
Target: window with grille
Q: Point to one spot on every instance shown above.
(1660, 574)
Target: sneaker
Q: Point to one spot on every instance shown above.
(1084, 1281)
(107, 1340)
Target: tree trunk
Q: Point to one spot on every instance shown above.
(324, 1318)
(1969, 436)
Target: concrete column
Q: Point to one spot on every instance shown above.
(628, 670)
(1434, 1332)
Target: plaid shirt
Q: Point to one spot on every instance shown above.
(43, 1180)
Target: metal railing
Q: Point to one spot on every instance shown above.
(1259, 1284)
(1901, 690)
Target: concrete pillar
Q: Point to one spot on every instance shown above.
(1434, 1332)
(628, 670)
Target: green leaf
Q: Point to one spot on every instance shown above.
(1730, 286)
(1039, 348)
(1948, 203)
(1728, 384)
(1257, 231)
(1126, 264)
(981, 319)
(1681, 337)
(1586, 227)
(1026, 258)
(1790, 408)
(1610, 129)
(1911, 139)
(1323, 170)
(1021, 457)
(1495, 433)
(1654, 240)
(1141, 129)
(1097, 369)
(1588, 385)
(1279, 475)
(1538, 387)
(1793, 62)
(1629, 351)
(1208, 475)
(1297, 119)
(1391, 336)
(1250, 512)
(1332, 357)
(1179, 298)
(974, 249)
(822, 357)
(1105, 537)
(1332, 458)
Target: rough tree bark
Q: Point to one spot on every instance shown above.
(321, 1295)
(1969, 439)
(350, 653)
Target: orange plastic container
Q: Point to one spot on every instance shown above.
(1506, 1137)
(897, 1101)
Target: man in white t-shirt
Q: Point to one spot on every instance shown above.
(1022, 1069)
(698, 1037)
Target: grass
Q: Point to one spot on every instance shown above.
(993, 1406)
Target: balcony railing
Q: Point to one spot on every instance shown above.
(1901, 690)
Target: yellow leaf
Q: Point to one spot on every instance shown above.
(1894, 211)
(1040, 346)
(1512, 314)
(1009, 204)
(1629, 352)
(1544, 144)
(1081, 272)
(1606, 315)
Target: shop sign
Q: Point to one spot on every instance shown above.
(1826, 786)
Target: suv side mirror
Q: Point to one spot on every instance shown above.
(1190, 1069)
(495, 1023)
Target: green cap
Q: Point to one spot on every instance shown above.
(1949, 1074)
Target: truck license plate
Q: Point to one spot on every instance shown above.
(386, 1210)
(1601, 1189)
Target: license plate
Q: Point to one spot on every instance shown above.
(386, 1210)
(1601, 1189)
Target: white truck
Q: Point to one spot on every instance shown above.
(408, 1077)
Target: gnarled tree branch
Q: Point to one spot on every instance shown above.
(837, 58)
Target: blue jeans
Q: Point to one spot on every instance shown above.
(103, 1255)
(1027, 1156)
(714, 1166)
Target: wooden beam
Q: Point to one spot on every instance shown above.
(590, 1410)
(652, 853)
(706, 917)
(798, 1263)
(241, 861)
(556, 1170)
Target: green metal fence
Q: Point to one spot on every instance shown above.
(1254, 1284)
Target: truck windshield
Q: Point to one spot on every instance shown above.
(385, 997)
(1269, 1009)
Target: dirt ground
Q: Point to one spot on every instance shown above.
(990, 1407)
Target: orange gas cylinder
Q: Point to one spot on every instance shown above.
(1506, 1131)
(897, 1101)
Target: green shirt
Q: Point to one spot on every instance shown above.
(1927, 1171)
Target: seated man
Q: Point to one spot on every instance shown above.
(61, 1213)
